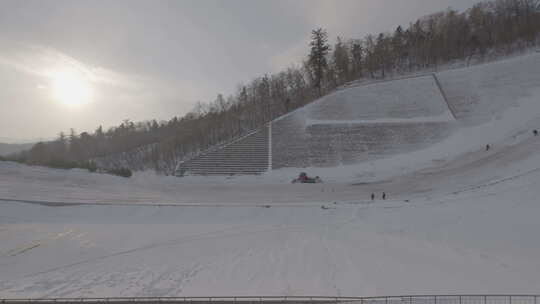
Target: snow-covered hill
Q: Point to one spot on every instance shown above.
(366, 123)
(458, 218)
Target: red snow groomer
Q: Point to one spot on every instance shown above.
(303, 178)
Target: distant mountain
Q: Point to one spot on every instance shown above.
(6, 149)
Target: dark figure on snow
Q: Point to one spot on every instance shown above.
(535, 132)
(488, 147)
(384, 196)
(372, 196)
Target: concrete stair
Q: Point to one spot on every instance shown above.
(246, 155)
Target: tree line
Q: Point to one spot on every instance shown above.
(488, 29)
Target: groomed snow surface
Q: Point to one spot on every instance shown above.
(458, 219)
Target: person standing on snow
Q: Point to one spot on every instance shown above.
(384, 196)
(372, 196)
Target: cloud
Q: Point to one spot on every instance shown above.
(342, 18)
(46, 62)
(291, 56)
(31, 71)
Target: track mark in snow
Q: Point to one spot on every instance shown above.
(18, 251)
(203, 236)
(164, 204)
(496, 182)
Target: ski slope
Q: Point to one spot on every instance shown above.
(459, 219)
(363, 123)
(408, 98)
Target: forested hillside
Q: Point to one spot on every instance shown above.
(485, 31)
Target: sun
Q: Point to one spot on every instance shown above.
(71, 88)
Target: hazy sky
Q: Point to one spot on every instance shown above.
(153, 59)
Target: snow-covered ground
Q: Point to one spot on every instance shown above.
(446, 239)
(409, 98)
(458, 219)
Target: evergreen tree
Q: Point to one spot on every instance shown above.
(317, 56)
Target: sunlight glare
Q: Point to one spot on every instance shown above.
(71, 88)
